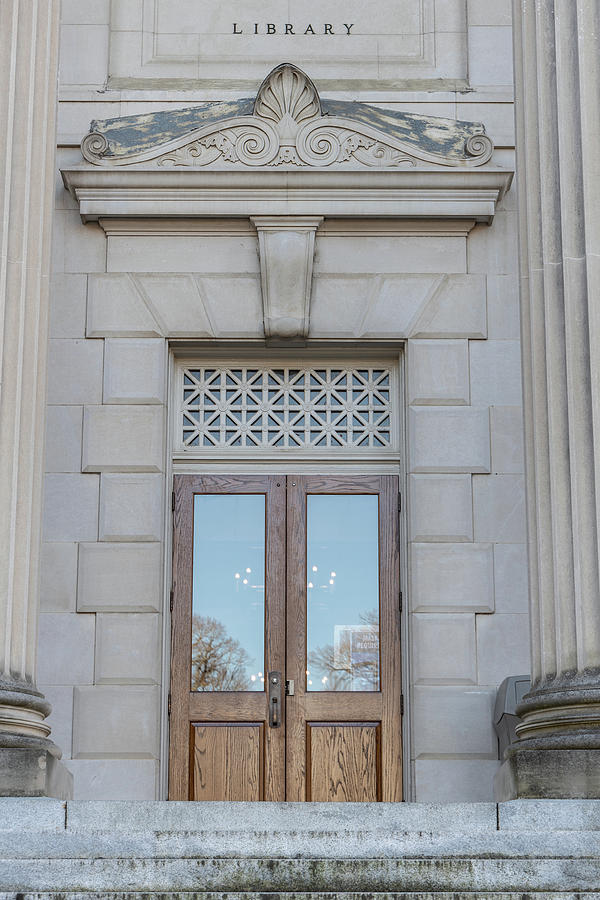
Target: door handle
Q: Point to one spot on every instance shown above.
(274, 699)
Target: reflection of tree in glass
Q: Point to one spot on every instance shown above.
(344, 667)
(219, 662)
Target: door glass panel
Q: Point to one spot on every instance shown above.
(342, 592)
(228, 594)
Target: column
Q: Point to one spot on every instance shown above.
(28, 67)
(557, 79)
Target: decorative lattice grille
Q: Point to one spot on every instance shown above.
(287, 407)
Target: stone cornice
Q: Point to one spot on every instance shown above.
(424, 193)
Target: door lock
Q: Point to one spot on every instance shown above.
(275, 699)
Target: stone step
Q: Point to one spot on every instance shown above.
(259, 817)
(235, 851)
(301, 895)
(290, 875)
(344, 845)
(531, 816)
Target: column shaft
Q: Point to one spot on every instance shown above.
(28, 65)
(557, 80)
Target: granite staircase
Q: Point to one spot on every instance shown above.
(217, 851)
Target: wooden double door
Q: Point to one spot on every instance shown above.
(285, 645)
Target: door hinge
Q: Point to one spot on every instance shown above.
(169, 706)
(399, 600)
(399, 503)
(172, 501)
(401, 704)
(171, 600)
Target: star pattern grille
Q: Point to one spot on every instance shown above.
(287, 407)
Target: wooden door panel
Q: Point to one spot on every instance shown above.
(336, 706)
(344, 744)
(240, 731)
(343, 761)
(229, 707)
(227, 761)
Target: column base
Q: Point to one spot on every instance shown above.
(33, 772)
(545, 773)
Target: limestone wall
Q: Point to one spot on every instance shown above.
(118, 300)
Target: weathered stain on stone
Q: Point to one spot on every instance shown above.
(129, 135)
(434, 134)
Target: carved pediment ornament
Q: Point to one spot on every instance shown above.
(289, 126)
(287, 96)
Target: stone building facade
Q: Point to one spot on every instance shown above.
(391, 244)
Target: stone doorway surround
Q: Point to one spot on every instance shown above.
(423, 189)
(342, 173)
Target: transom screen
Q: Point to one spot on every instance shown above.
(288, 407)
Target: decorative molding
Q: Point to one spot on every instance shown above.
(167, 227)
(220, 227)
(287, 153)
(289, 128)
(252, 142)
(23, 720)
(286, 247)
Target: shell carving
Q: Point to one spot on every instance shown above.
(287, 91)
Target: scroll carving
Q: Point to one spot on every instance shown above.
(288, 127)
(94, 146)
(251, 145)
(480, 147)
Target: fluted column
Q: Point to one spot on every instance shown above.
(557, 80)
(28, 67)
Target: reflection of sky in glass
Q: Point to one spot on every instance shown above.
(342, 576)
(228, 586)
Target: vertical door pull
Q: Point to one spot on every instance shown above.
(274, 699)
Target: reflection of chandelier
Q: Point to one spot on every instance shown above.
(325, 586)
(243, 579)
